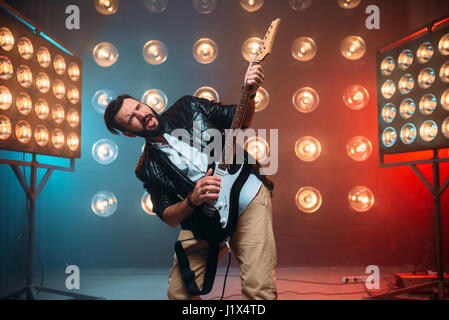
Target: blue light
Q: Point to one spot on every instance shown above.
(43, 35)
(20, 19)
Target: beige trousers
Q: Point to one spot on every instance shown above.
(253, 245)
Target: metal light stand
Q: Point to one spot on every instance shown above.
(437, 190)
(32, 194)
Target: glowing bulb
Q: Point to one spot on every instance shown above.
(406, 84)
(107, 7)
(428, 104)
(251, 5)
(205, 6)
(389, 137)
(250, 48)
(43, 57)
(428, 130)
(57, 138)
(43, 82)
(304, 49)
(156, 99)
(74, 72)
(207, 93)
(41, 136)
(389, 113)
(147, 204)
(356, 97)
(308, 149)
(361, 199)
(425, 52)
(104, 204)
(308, 199)
(405, 59)
(443, 45)
(23, 103)
(59, 64)
(155, 52)
(444, 72)
(445, 100)
(104, 151)
(73, 118)
(261, 100)
(5, 98)
(25, 48)
(205, 51)
(426, 78)
(24, 76)
(348, 4)
(353, 47)
(6, 39)
(359, 148)
(444, 128)
(58, 113)
(23, 131)
(5, 127)
(58, 89)
(6, 68)
(73, 141)
(156, 6)
(387, 66)
(73, 95)
(306, 100)
(388, 89)
(101, 100)
(105, 54)
(408, 133)
(258, 148)
(300, 5)
(407, 108)
(41, 109)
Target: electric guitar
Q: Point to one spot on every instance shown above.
(232, 179)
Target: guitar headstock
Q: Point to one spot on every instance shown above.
(267, 41)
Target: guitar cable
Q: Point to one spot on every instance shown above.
(227, 268)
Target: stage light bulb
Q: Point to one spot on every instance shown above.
(23, 131)
(43, 82)
(356, 97)
(6, 68)
(361, 199)
(405, 59)
(104, 151)
(147, 204)
(5, 127)
(444, 128)
(101, 100)
(73, 95)
(107, 7)
(428, 104)
(388, 89)
(207, 93)
(59, 64)
(5, 98)
(444, 72)
(300, 5)
(308, 199)
(251, 5)
(41, 109)
(205, 6)
(426, 78)
(23, 103)
(261, 100)
(73, 118)
(445, 100)
(389, 137)
(387, 66)
(443, 45)
(58, 114)
(304, 49)
(306, 100)
(258, 148)
(74, 72)
(24, 76)
(308, 149)
(406, 84)
(43, 57)
(425, 52)
(58, 89)
(205, 51)
(428, 130)
(6, 39)
(156, 6)
(250, 48)
(104, 204)
(155, 52)
(389, 113)
(407, 108)
(156, 99)
(105, 54)
(348, 4)
(353, 47)
(25, 48)
(408, 133)
(41, 135)
(57, 138)
(359, 148)
(73, 141)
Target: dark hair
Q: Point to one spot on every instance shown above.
(111, 111)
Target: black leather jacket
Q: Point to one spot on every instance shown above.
(165, 183)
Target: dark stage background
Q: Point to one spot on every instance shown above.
(398, 230)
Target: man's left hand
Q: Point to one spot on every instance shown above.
(254, 76)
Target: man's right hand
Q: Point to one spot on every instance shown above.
(206, 188)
